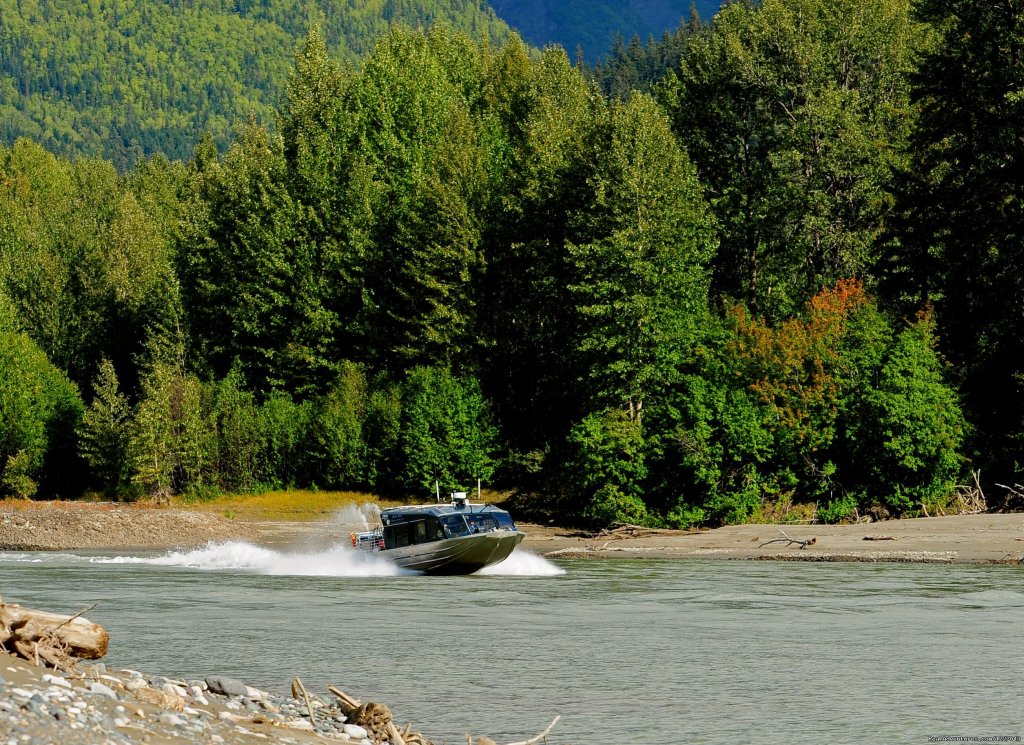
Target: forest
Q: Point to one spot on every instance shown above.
(779, 279)
(128, 79)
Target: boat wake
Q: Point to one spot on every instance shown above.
(339, 561)
(523, 564)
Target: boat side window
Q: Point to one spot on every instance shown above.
(396, 536)
(455, 525)
(434, 530)
(504, 520)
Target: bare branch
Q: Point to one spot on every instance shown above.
(541, 736)
(802, 543)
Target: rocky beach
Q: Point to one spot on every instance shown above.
(91, 705)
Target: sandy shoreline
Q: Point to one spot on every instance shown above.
(984, 538)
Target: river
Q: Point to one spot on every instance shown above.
(636, 652)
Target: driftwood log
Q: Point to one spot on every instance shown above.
(377, 720)
(50, 638)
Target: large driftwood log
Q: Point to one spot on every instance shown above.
(52, 638)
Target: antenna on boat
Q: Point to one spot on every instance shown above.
(437, 489)
(478, 497)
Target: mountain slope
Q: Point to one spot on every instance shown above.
(594, 24)
(125, 78)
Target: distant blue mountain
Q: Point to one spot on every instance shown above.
(592, 25)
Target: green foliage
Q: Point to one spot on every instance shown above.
(832, 407)
(426, 163)
(796, 113)
(240, 434)
(130, 79)
(105, 432)
(530, 316)
(14, 478)
(39, 410)
(453, 235)
(640, 67)
(249, 282)
(837, 510)
(174, 442)
(446, 435)
(958, 243)
(284, 427)
(915, 427)
(339, 431)
(85, 255)
(641, 283)
(605, 469)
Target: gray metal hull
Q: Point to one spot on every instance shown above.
(462, 555)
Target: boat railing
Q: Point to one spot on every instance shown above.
(368, 540)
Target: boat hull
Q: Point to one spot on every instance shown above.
(462, 555)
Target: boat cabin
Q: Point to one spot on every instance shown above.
(406, 526)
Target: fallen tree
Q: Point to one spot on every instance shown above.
(50, 638)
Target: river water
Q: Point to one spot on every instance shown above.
(635, 652)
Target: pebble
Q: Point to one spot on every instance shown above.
(56, 680)
(354, 731)
(56, 711)
(174, 690)
(102, 690)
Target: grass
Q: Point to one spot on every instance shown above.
(300, 504)
(295, 505)
(289, 505)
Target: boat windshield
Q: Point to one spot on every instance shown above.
(482, 523)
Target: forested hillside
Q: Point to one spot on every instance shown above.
(126, 78)
(782, 284)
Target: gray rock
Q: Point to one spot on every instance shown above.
(172, 719)
(354, 731)
(174, 690)
(102, 690)
(135, 684)
(56, 680)
(225, 686)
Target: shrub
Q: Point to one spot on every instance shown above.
(39, 414)
(837, 510)
(606, 468)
